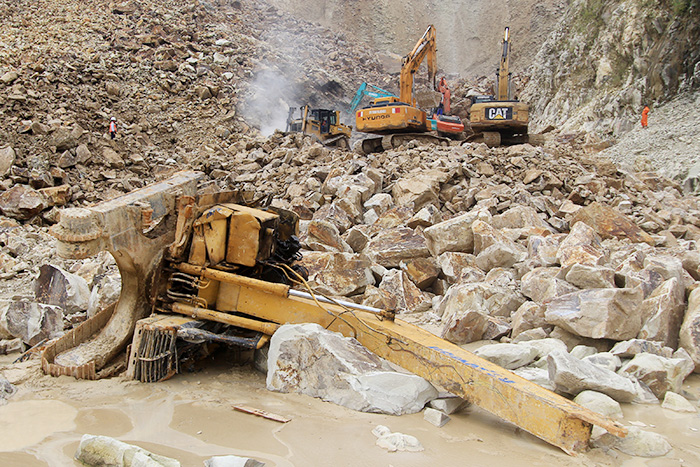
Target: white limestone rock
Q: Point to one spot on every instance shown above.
(659, 373)
(538, 376)
(448, 405)
(600, 403)
(307, 359)
(508, 356)
(572, 376)
(598, 313)
(393, 442)
(435, 417)
(643, 443)
(605, 360)
(677, 403)
(232, 461)
(103, 451)
(632, 347)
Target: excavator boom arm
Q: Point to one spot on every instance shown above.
(503, 72)
(424, 48)
(364, 90)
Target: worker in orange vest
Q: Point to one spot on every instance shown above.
(645, 116)
(113, 127)
(445, 101)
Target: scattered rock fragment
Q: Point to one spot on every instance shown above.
(435, 417)
(393, 442)
(677, 403)
(232, 461)
(103, 450)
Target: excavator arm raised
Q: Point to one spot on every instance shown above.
(424, 48)
(503, 74)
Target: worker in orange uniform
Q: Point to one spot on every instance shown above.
(645, 116)
(445, 101)
(113, 127)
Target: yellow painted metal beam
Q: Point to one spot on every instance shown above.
(539, 411)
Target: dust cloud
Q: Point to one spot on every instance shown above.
(266, 107)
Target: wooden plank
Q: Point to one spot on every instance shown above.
(262, 413)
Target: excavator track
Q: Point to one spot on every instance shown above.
(395, 140)
(340, 142)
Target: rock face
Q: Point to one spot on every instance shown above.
(598, 313)
(312, 361)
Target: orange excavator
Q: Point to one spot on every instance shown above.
(445, 124)
(398, 120)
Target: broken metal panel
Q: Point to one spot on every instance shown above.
(215, 240)
(244, 239)
(198, 250)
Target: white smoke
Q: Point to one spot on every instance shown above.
(266, 106)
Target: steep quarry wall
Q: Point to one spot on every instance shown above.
(608, 58)
(468, 33)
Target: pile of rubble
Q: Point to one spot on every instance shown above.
(586, 274)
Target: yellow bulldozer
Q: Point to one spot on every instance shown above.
(501, 119)
(322, 124)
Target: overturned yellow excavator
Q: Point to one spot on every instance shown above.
(189, 259)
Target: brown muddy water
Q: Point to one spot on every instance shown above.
(191, 418)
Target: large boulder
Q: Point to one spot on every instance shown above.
(581, 246)
(55, 286)
(453, 234)
(599, 402)
(308, 359)
(324, 236)
(590, 277)
(464, 314)
(542, 284)
(508, 356)
(409, 298)
(22, 202)
(662, 313)
(390, 247)
(610, 223)
(338, 274)
(690, 329)
(7, 160)
(630, 348)
(573, 376)
(658, 373)
(598, 313)
(459, 267)
(32, 322)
